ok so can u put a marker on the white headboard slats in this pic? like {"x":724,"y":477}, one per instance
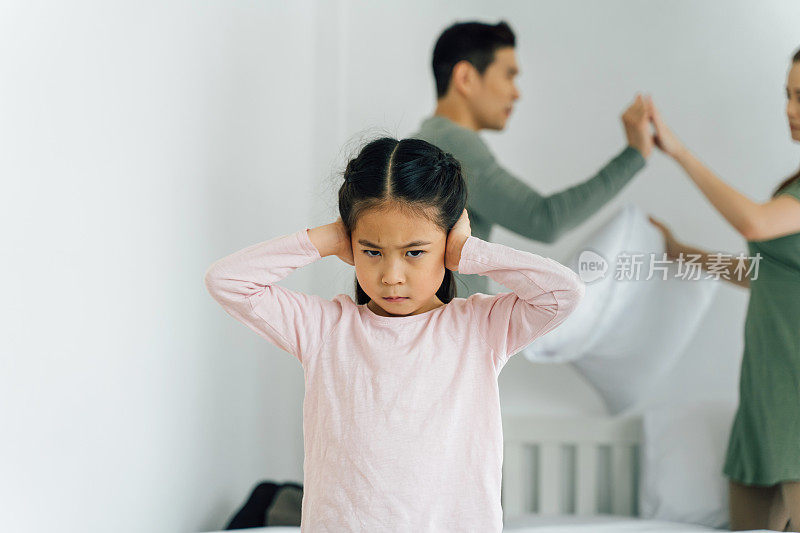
{"x":514,"y":493}
{"x":586,"y":489}
{"x":545,"y":486}
{"x":549,"y":478}
{"x":622,"y":480}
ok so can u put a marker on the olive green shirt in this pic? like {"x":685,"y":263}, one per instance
{"x":495,"y":196}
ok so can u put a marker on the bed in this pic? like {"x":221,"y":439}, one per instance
{"x":576,"y":474}
{"x":543,"y":524}
{"x":573,"y":475}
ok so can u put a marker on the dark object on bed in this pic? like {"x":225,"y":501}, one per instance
{"x":270,"y":504}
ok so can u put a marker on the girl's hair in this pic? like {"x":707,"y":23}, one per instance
{"x":410,"y":174}
{"x":796,"y":175}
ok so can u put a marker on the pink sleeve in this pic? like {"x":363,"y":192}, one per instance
{"x":244,"y":284}
{"x":544,"y":293}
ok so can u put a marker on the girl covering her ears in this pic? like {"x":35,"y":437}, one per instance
{"x":401,"y":415}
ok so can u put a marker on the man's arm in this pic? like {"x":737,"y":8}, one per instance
{"x":500,"y":197}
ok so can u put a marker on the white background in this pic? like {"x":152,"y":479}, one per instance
{"x":143,"y":141}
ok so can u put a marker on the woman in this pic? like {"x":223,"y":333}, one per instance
{"x":763,"y":457}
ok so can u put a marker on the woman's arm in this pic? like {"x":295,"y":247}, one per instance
{"x":754,"y":221}
{"x":732,"y":272}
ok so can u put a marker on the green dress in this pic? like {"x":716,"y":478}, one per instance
{"x":764,"y":444}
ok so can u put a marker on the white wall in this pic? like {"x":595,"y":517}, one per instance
{"x":144,"y":141}
{"x":141,"y":142}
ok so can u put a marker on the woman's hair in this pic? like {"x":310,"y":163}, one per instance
{"x":410,"y":174}
{"x":796,"y":175}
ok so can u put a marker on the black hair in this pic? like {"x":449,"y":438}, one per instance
{"x":410,"y":174}
{"x":796,"y":176}
{"x":475,"y":42}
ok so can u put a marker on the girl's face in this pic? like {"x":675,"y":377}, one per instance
{"x":398,"y":253}
{"x":793,"y":100}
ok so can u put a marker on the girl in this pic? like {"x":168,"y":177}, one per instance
{"x":763,"y":458}
{"x":401,"y":415}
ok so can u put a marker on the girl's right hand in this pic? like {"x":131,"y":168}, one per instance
{"x":673,"y":247}
{"x":344,"y":247}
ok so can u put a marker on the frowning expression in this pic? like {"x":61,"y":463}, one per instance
{"x":399,"y":253}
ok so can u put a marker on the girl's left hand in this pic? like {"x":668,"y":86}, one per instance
{"x":456,"y":238}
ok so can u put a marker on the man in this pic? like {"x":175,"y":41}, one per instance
{"x":474,"y":66}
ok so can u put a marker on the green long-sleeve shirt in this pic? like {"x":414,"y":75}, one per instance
{"x":498,"y":197}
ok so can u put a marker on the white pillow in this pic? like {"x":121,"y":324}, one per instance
{"x":682,"y":458}
{"x":568,"y":341}
{"x":626,"y":334}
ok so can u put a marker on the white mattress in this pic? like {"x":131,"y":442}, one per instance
{"x":566,"y":524}
{"x":537,"y":522}
{"x":596,"y":523}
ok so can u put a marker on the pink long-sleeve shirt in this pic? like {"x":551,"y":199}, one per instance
{"x":401,"y":416}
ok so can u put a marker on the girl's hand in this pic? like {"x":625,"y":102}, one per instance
{"x":666,"y":141}
{"x":332,"y":239}
{"x":344,"y":247}
{"x":673,"y":247}
{"x":456,"y":238}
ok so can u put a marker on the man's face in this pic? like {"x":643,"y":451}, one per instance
{"x":495,"y":93}
{"x":387,"y":266}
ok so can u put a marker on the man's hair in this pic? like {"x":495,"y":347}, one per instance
{"x":471,"y":41}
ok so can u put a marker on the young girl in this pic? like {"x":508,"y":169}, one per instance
{"x":401,"y":416}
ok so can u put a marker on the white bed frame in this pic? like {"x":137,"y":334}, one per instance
{"x":571,"y":465}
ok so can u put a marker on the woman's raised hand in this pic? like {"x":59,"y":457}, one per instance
{"x":456,"y":238}
{"x":665,"y":140}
